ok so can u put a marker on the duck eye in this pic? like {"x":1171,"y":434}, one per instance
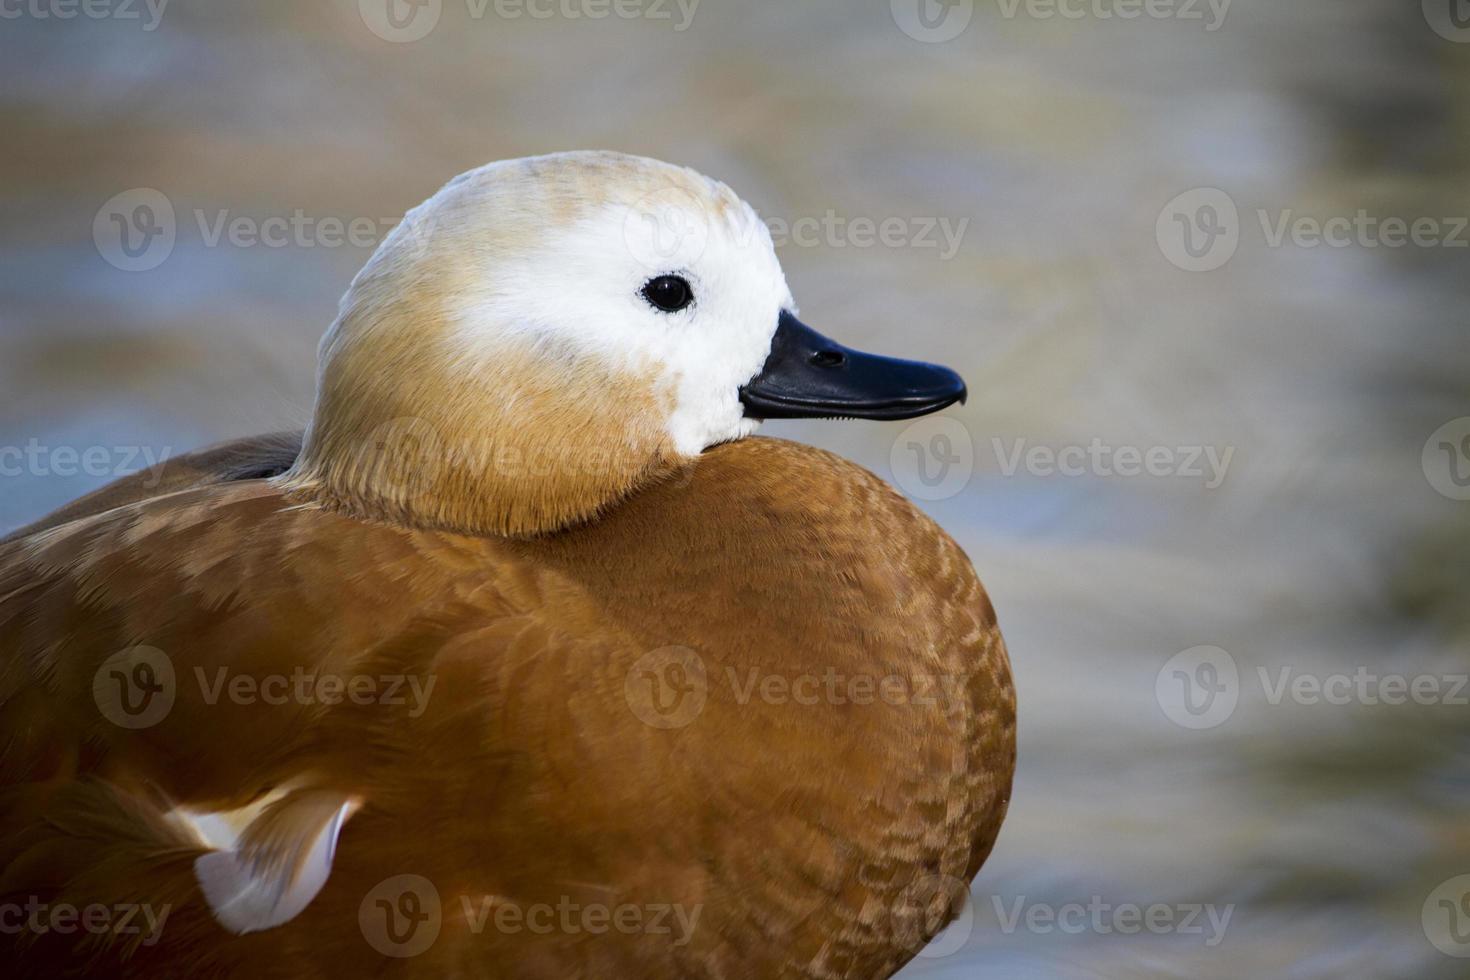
{"x":668,"y":293}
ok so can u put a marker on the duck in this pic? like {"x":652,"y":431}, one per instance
{"x":527,"y":657}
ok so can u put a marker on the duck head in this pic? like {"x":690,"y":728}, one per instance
{"x":543,"y":336}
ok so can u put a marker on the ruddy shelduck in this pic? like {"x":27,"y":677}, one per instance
{"x":524,"y":659}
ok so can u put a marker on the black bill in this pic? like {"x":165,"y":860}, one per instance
{"x":809,"y":376}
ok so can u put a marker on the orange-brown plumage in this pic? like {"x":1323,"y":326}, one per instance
{"x":529,"y":771}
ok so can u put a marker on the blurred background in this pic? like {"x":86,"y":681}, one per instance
{"x":1101,"y":212}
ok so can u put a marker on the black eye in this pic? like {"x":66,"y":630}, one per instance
{"x":669,"y":293}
